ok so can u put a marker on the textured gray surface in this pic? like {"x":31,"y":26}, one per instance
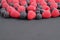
{"x":46,"y":29}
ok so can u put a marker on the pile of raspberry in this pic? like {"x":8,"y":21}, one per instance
{"x":30,"y":9}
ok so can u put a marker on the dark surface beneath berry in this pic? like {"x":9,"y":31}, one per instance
{"x":17,"y":29}
{"x":46,"y":29}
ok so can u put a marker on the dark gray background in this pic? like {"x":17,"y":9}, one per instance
{"x":44,"y":29}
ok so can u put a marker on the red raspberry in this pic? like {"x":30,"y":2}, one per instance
{"x":23,"y":3}
{"x":33,"y":4}
{"x":32,"y":1}
{"x":42,"y":2}
{"x":13,"y":13}
{"x":53,"y":5}
{"x":9,"y":1}
{"x":21,"y":8}
{"x":31,"y":8}
{"x":57,"y":0}
{"x":52,"y":1}
{"x":16,"y":1}
{"x":55,"y":13}
{"x":4,"y":4}
{"x":46,"y":7}
{"x":31,"y":15}
{"x":9,"y":9}
{"x":16,"y":5}
{"x":46,"y":14}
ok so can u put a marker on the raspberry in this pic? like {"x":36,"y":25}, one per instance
{"x":16,"y":1}
{"x":46,"y":7}
{"x":9,"y":1}
{"x":31,"y":15}
{"x":21,"y":8}
{"x":13,"y":13}
{"x":57,"y":1}
{"x":31,"y":8}
{"x":4,"y":4}
{"x":55,"y":13}
{"x":33,"y":4}
{"x":23,"y":3}
{"x":53,"y":5}
{"x":46,"y":14}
